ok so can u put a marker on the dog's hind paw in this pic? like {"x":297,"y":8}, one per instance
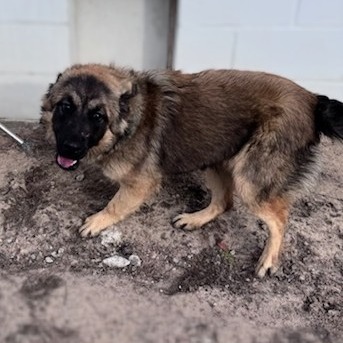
{"x":267,"y":262}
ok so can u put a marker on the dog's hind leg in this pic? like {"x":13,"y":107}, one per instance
{"x":219,"y":182}
{"x":274,"y":213}
{"x":273,"y":210}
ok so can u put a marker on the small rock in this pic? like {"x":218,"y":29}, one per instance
{"x":33,"y":256}
{"x":302,"y":278}
{"x":54,"y":254}
{"x":73,"y":263}
{"x":111,"y":237}
{"x":80,"y":177}
{"x":49,"y":259}
{"x":60,"y":251}
{"x":333,"y":312}
{"x":9,"y":240}
{"x":116,"y":261}
{"x":135,"y":260}
{"x":212,"y":241}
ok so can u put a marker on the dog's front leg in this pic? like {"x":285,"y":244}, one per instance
{"x":128,"y":199}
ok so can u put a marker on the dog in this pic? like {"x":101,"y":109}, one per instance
{"x":251,"y":132}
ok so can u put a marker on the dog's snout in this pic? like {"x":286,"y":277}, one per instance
{"x":73,"y":146}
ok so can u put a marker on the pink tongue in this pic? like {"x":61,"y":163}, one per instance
{"x":65,"y":162}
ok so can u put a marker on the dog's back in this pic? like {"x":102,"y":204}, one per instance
{"x":214,"y":114}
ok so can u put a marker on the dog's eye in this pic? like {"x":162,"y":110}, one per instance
{"x":65,"y":107}
{"x":97,"y":116}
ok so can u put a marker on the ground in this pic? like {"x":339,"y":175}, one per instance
{"x":196,"y":287}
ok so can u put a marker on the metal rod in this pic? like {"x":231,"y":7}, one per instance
{"x":10,"y":133}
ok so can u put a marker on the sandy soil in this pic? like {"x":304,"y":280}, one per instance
{"x":196,"y":287}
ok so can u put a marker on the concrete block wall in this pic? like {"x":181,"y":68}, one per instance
{"x":40,"y":38}
{"x":299,"y":39}
{"x":34,"y":46}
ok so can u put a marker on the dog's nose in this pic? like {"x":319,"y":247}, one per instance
{"x":74,"y":147}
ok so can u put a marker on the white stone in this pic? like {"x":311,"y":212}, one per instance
{"x":49,"y":259}
{"x":116,"y":261}
{"x":111,"y":237}
{"x":135,"y":260}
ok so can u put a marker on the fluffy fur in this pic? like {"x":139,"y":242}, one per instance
{"x":253,"y":133}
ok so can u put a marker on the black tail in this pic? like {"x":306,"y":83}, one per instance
{"x":329,"y":117}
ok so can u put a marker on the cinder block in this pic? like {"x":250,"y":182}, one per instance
{"x":199,"y":49}
{"x":320,"y":13}
{"x":20,"y":96}
{"x":33,"y":48}
{"x":118,"y":38}
{"x":234,"y":12}
{"x":307,"y":55}
{"x":52,"y":11}
{"x":333,"y":90}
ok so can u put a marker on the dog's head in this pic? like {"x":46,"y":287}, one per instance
{"x":87,"y":110}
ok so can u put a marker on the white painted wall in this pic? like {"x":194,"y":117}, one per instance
{"x":130,"y":33}
{"x":40,"y":38}
{"x":34,"y":45}
{"x":299,"y":39}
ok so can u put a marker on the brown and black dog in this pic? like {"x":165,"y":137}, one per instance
{"x":253,"y":133}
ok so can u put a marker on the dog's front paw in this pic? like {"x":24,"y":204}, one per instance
{"x":187,"y":221}
{"x":96,"y":223}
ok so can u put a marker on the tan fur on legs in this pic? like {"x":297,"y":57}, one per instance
{"x":128,"y":199}
{"x":220,"y":184}
{"x":274,"y":213}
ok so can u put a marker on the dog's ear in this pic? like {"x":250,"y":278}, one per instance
{"x":52,"y":85}
{"x":46,"y":112}
{"x":129,"y":92}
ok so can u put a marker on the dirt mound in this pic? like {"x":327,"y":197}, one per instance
{"x":186,"y":286}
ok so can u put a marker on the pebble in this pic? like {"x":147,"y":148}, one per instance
{"x":164,"y":235}
{"x":116,"y":261}
{"x":111,"y":237}
{"x":135,"y":260}
{"x":333,"y":312}
{"x":49,"y":259}
{"x":73,"y":263}
{"x":57,"y":253}
{"x":54,"y":254}
{"x":80,"y":177}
